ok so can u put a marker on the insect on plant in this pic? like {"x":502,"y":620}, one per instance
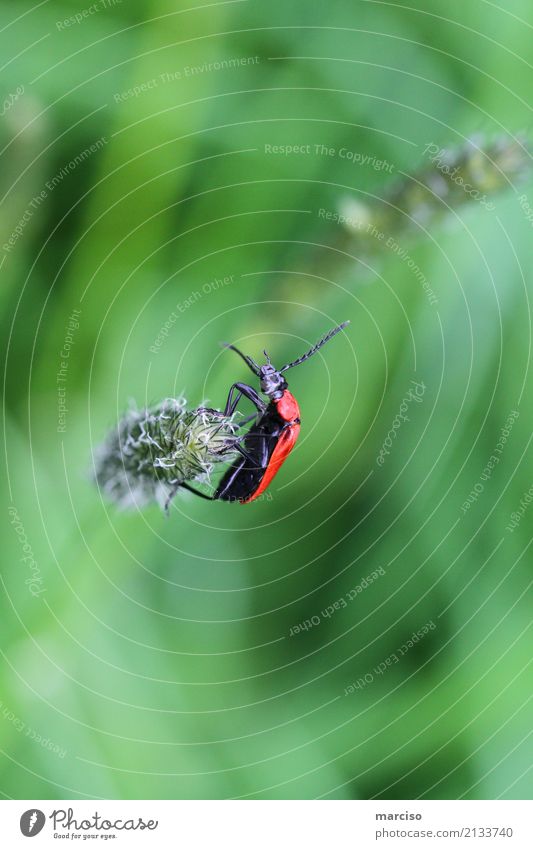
{"x":271,"y":438}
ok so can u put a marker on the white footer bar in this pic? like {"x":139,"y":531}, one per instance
{"x":268,"y":824}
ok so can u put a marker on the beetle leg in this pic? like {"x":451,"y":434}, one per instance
{"x":258,"y":462}
{"x":197,"y":491}
{"x":248,"y":392}
{"x":248,"y":457}
{"x":170,"y":496}
{"x":247,"y":420}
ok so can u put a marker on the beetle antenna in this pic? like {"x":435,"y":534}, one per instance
{"x":267,"y":357}
{"x":316,"y":347}
{"x":252,"y":365}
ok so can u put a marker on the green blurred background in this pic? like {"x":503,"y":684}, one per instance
{"x":155,"y":660}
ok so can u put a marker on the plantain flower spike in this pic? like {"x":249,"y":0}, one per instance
{"x":152,"y":451}
{"x":447,"y":178}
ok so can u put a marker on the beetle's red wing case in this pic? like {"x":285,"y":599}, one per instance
{"x":285,"y":444}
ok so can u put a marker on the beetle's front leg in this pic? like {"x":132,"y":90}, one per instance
{"x":243,"y":389}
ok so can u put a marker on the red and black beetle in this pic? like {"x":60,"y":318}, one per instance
{"x":269,"y":441}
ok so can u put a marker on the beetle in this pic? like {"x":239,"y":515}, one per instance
{"x":270,"y":440}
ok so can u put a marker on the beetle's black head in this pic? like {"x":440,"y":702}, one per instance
{"x":272,"y":381}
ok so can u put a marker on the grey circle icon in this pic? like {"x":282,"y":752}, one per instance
{"x":32,"y":822}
